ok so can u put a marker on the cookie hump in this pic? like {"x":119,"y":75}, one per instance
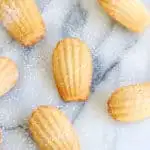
{"x":51,"y":130}
{"x":130,"y":103}
{"x":130,"y":13}
{"x":72,"y":69}
{"x":8,"y":75}
{"x":22,"y":20}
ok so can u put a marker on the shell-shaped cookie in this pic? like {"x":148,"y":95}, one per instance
{"x":8,"y":75}
{"x":51,"y":130}
{"x":22,"y":20}
{"x":72,"y":68}
{"x":130,"y":103}
{"x":130,"y":13}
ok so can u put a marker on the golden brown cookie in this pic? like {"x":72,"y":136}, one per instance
{"x":130,"y":103}
{"x":1,"y":136}
{"x":8,"y":75}
{"x":51,"y":130}
{"x":130,"y":13}
{"x":22,"y":20}
{"x":72,"y":69}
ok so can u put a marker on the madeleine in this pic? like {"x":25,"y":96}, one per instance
{"x":72,"y":69}
{"x":51,"y":130}
{"x":130,"y":13}
{"x":130,"y":103}
{"x":22,"y":20}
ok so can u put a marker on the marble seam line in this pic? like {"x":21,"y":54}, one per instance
{"x":14,"y":128}
{"x":114,"y":64}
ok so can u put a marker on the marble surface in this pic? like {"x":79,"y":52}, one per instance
{"x":120,"y":58}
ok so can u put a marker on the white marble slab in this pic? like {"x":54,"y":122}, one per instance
{"x":120,"y":58}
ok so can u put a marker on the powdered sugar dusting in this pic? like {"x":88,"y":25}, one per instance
{"x":119,"y":58}
{"x":10,"y":15}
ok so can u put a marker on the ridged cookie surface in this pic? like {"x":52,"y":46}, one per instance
{"x":130,"y":13}
{"x":72,"y":68}
{"x":130,"y":103}
{"x":51,"y":130}
{"x":8,"y":75}
{"x":22,"y":20}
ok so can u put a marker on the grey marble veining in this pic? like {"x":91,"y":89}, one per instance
{"x":120,"y":58}
{"x":42,"y":4}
